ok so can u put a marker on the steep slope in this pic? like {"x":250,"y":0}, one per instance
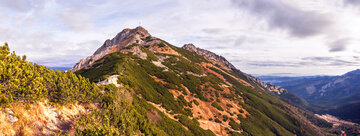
{"x":35,"y":100}
{"x":246,"y":78}
{"x":337,"y":95}
{"x":193,"y":87}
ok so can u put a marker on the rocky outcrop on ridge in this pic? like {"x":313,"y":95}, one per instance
{"x":123,"y":39}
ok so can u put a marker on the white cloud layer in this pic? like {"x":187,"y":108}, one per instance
{"x":305,"y":37}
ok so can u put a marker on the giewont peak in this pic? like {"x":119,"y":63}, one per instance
{"x":123,"y":39}
{"x":138,"y":30}
{"x":125,"y":36}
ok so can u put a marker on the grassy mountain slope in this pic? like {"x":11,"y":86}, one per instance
{"x":38,"y":101}
{"x":190,"y":87}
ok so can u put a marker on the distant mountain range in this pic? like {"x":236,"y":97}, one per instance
{"x":336,"y":95}
{"x":275,"y":79}
{"x":60,"y":68}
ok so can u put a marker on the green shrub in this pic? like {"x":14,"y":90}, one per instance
{"x":161,"y":44}
{"x":24,"y":81}
{"x":196,"y":102}
{"x":225,"y":118}
{"x":234,"y":125}
{"x":217,"y":106}
{"x":194,"y":127}
{"x":148,"y":39}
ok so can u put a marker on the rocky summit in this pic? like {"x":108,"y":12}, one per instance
{"x":123,"y":39}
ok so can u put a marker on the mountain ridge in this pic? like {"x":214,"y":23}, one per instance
{"x":217,"y":59}
{"x":192,"y":74}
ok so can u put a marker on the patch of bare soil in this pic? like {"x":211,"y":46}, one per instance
{"x":163,"y":50}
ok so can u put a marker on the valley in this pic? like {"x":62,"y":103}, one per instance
{"x":334,"y":95}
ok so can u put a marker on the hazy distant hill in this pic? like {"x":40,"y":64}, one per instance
{"x":338,"y":95}
{"x":281,"y":79}
{"x":60,"y":68}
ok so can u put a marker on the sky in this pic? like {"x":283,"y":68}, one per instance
{"x":263,"y":37}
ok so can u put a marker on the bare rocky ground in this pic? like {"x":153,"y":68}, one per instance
{"x":40,"y":118}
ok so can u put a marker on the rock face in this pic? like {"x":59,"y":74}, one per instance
{"x":268,"y":86}
{"x":123,"y":39}
{"x":110,"y":80}
{"x":209,"y":55}
{"x":10,"y":116}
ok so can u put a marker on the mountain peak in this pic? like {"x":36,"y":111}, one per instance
{"x":123,"y":39}
{"x":141,"y":30}
{"x":126,"y":36}
{"x":138,"y":30}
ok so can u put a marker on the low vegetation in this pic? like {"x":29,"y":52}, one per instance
{"x":150,"y":96}
{"x":24,"y":81}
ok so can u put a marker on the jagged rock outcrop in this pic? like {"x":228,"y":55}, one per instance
{"x":268,"y":86}
{"x":209,"y":55}
{"x":110,"y":80}
{"x":123,"y":39}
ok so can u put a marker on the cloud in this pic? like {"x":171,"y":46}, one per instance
{"x":7,"y":33}
{"x":352,"y":2}
{"x":329,"y":61}
{"x":339,"y":45}
{"x":76,"y":20}
{"x":47,"y":49}
{"x":58,"y":61}
{"x":212,"y":30}
{"x":21,"y":5}
{"x":321,"y":59}
{"x":272,"y":64}
{"x":280,"y":15}
{"x":240,"y":40}
{"x":306,"y":61}
{"x":217,"y":40}
{"x":18,"y":5}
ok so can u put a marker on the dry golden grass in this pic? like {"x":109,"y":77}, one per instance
{"x":6,"y":128}
{"x":40,"y":118}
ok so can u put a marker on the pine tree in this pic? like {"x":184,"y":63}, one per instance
{"x":24,"y":57}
